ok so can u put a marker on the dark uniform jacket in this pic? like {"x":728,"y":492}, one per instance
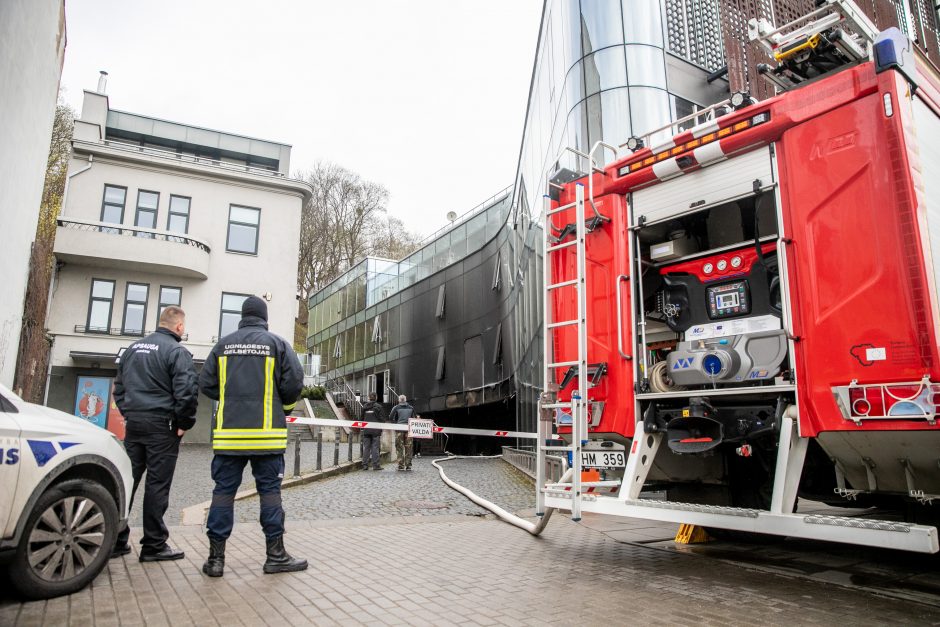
{"x":401,"y":413}
{"x":372,"y":412}
{"x":156,"y":382}
{"x":256,"y":377}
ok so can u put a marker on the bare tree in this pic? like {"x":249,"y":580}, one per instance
{"x":345,"y":221}
{"x":33,"y":355}
{"x":393,"y":241}
{"x":339,"y":224}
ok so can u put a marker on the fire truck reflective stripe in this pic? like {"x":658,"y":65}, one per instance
{"x":666,"y":145}
{"x":693,"y":440}
{"x":709,"y":153}
{"x":666,"y":169}
{"x":223,"y":362}
{"x":705,"y":128}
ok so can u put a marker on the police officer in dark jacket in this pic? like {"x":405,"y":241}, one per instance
{"x":371,"y":438}
{"x":256,"y":377}
{"x":156,"y":391}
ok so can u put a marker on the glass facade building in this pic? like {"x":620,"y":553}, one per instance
{"x":605,"y":70}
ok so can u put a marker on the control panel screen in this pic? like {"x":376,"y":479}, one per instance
{"x":728,"y":300}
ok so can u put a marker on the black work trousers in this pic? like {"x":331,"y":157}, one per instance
{"x":153,"y":446}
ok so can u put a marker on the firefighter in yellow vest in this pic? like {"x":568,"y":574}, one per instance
{"x":256,"y":377}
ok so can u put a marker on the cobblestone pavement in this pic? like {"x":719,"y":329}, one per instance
{"x":390,"y":492}
{"x":393,"y":548}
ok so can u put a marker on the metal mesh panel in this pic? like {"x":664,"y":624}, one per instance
{"x":694,"y":31}
{"x":925,"y":23}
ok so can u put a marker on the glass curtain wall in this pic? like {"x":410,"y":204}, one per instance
{"x":601,"y":74}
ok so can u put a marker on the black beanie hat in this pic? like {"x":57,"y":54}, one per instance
{"x":254,"y":306}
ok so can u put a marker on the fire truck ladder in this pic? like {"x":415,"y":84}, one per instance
{"x":587,"y":375}
{"x":577,"y":406}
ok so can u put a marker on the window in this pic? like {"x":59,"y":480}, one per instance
{"x":112,"y":206}
{"x":243,"y":230}
{"x":231,"y":313}
{"x":439,"y":310}
{"x":99,"y":306}
{"x":178,"y":219}
{"x":439,"y":372}
{"x":168,"y":296}
{"x":147,"y":203}
{"x":135,"y":308}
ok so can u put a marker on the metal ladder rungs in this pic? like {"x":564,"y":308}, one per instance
{"x":563,"y":323}
{"x":562,"y":245}
{"x":551,"y":212}
{"x":554,"y":405}
{"x":555,"y":286}
{"x":556,"y":448}
{"x":562,"y":364}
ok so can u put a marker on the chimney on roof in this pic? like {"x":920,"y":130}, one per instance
{"x":103,"y":82}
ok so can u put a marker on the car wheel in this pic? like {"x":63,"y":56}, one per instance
{"x":67,"y":540}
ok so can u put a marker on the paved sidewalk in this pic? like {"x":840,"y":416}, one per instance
{"x":477,"y":572}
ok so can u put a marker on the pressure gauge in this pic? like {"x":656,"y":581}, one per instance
{"x":735,"y":262}
{"x":722,"y":265}
{"x":708,"y":268}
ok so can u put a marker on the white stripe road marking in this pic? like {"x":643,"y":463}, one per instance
{"x":361,"y":424}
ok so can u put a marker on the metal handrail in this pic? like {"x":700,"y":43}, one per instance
{"x":191,"y":158}
{"x":111,"y":228}
{"x":464,"y":217}
{"x":707,"y":111}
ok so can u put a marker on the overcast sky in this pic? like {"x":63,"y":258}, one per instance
{"x":426,"y":97}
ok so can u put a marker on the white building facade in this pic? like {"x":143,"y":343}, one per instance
{"x":32,"y":49}
{"x":158,"y":213}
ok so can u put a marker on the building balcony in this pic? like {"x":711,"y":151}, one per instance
{"x":117,"y":246}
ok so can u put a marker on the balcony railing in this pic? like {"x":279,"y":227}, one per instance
{"x":115,"y":331}
{"x":191,"y":158}
{"x":132,"y":231}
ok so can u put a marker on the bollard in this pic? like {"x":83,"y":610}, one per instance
{"x":297,"y":456}
{"x":336,"y":447}
{"x":319,"y":449}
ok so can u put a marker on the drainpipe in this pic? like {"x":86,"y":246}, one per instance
{"x":55,"y":274}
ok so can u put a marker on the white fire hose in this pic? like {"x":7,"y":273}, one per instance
{"x":533,"y":528}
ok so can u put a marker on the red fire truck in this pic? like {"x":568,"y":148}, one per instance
{"x":745,"y":311}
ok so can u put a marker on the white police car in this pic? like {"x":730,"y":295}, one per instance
{"x":64,"y":485}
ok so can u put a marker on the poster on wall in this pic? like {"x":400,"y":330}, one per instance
{"x":92,"y":398}
{"x":115,"y":419}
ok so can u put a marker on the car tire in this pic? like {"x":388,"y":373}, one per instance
{"x":67,"y":540}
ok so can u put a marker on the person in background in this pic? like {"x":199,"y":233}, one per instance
{"x":257,"y":378}
{"x":400,"y":414}
{"x":371,"y":438}
{"x":156,"y":391}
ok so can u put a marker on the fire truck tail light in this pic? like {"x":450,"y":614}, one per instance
{"x":889,"y":108}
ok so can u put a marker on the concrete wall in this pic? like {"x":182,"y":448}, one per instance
{"x":32,"y":48}
{"x":161,"y":262}
{"x":273,"y":270}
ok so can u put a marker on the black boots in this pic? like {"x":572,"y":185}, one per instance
{"x":215,"y":565}
{"x":279,"y":560}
